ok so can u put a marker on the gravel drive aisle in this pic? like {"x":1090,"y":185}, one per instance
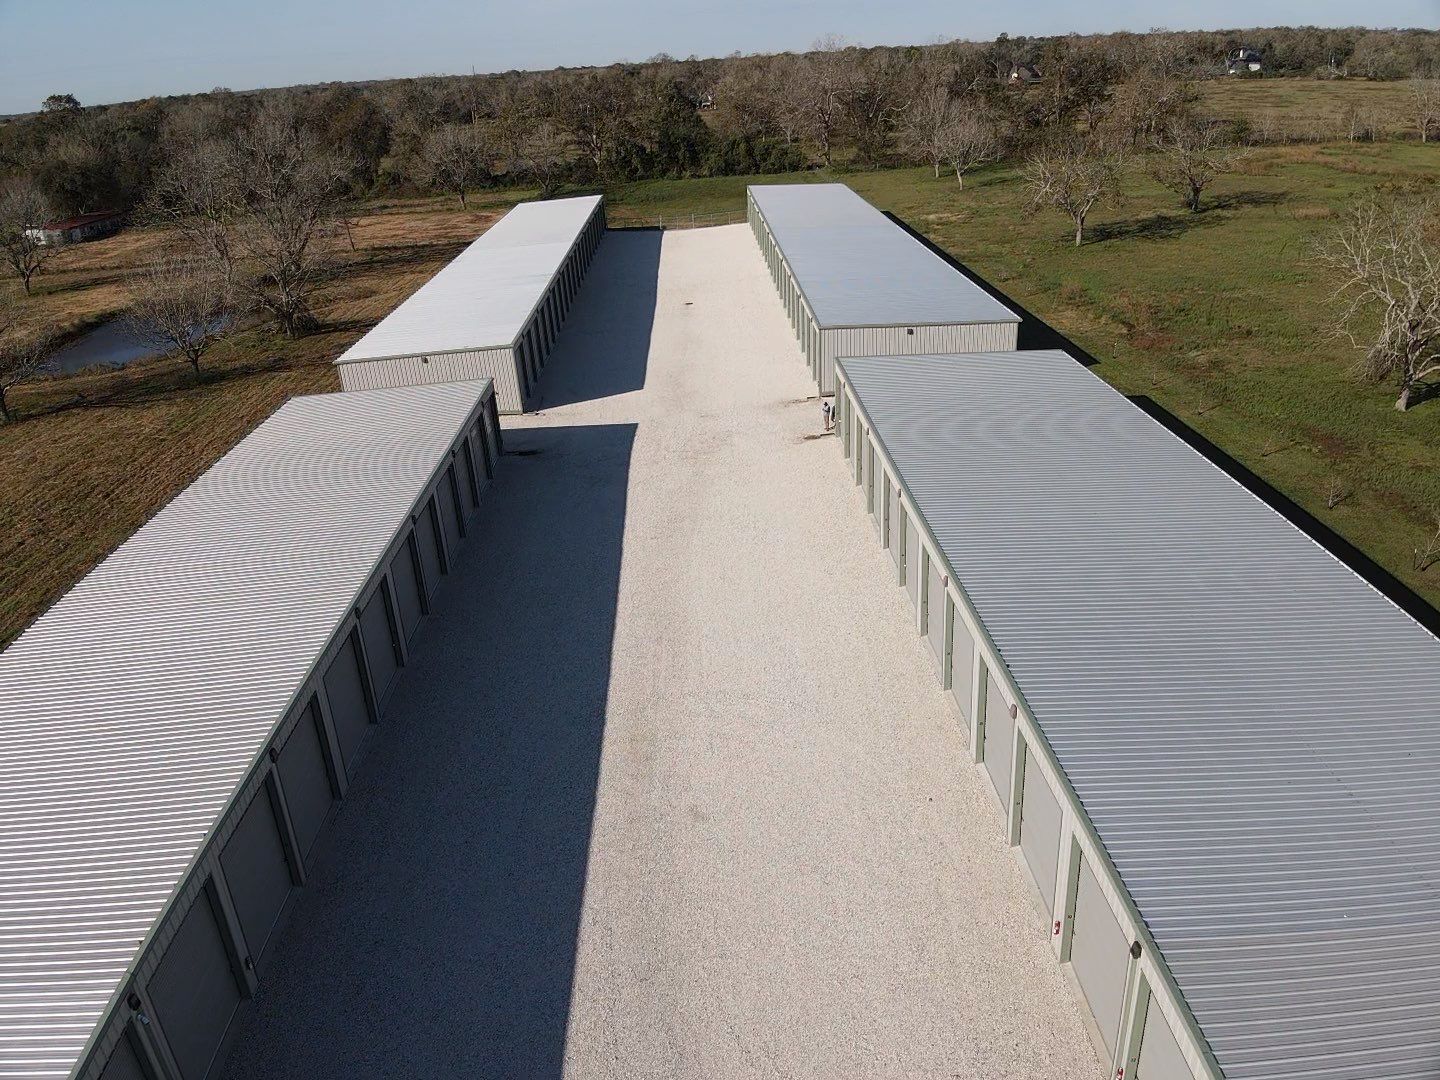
{"x":669,"y":789}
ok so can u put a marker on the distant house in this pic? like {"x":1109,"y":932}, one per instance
{"x":1024,"y":74}
{"x":707,"y":101}
{"x":76,"y":230}
{"x":1242,"y":61}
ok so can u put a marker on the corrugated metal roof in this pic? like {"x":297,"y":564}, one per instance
{"x":1253,"y":730}
{"x":136,"y":706}
{"x":856,"y":267}
{"x":484,"y":297}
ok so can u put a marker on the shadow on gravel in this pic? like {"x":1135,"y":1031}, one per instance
{"x":604,"y":347}
{"x":1035,"y":332}
{"x":437,"y":936}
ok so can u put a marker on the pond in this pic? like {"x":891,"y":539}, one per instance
{"x":112,"y":344}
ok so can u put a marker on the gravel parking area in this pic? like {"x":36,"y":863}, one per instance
{"x":670,"y":789}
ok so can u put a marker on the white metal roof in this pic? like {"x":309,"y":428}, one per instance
{"x":1253,"y":729}
{"x":484,"y":297}
{"x":856,"y":267}
{"x":137,"y":705}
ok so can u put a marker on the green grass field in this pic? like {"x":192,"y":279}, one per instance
{"x":1220,"y":316}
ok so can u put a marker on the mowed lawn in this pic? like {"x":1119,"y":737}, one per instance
{"x":1220,"y":316}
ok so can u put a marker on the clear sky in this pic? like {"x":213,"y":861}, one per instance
{"x":119,"y":50}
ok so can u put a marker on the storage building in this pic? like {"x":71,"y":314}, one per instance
{"x":1216,"y":748}
{"x":179,"y":726}
{"x":854,"y":283}
{"x":494,"y":312}
{"x":76,"y":230}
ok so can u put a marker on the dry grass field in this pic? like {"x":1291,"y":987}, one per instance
{"x":1307,"y":107}
{"x":96,"y":454}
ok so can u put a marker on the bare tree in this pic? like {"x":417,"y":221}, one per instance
{"x":785,"y":86}
{"x":262,"y":206}
{"x":543,"y":155}
{"x":198,"y":196}
{"x":22,"y":208}
{"x":455,"y":158}
{"x":595,"y":109}
{"x":969,"y":139}
{"x":875,"y":102}
{"x":182,"y":306}
{"x":923,"y":125}
{"x":1425,"y":557}
{"x":1359,"y":124}
{"x":291,"y":191}
{"x":1073,"y":176}
{"x":745,"y":101}
{"x":1143,"y":106}
{"x":1425,"y":103}
{"x":821,"y":86}
{"x":21,"y":358}
{"x":1386,"y":258}
{"x":1190,"y":155}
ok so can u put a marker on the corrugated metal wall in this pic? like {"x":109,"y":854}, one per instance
{"x":1086,"y":898}
{"x":497,"y":364}
{"x":515,"y":369}
{"x":910,"y":341}
{"x":445,"y":367}
{"x":820,"y":346}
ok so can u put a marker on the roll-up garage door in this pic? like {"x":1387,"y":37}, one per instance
{"x":912,"y":561}
{"x":1099,"y":956}
{"x":935,"y":613}
{"x":999,"y":739}
{"x":448,"y":505}
{"x":1160,"y":1055}
{"x":859,"y":454}
{"x":306,"y":780}
{"x":870,"y":476}
{"x":480,"y":457}
{"x":195,"y":990}
{"x":897,"y":530}
{"x":407,"y":586}
{"x":124,"y":1063}
{"x":492,"y":436}
{"x":962,"y":664}
{"x":429,"y":545}
{"x":1040,"y":830}
{"x":379,"y":642}
{"x":881,"y":503}
{"x":469,"y":479}
{"x":345,"y":690}
{"x":257,"y":872}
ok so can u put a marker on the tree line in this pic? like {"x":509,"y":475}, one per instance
{"x":665,"y":117}
{"x":254,"y":190}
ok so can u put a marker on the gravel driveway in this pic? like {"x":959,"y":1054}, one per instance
{"x":670,"y":789}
